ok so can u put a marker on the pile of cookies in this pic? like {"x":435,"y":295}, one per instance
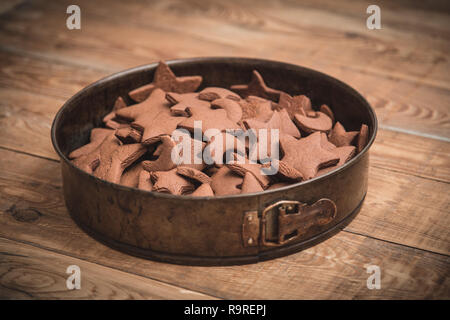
{"x":135,"y":146}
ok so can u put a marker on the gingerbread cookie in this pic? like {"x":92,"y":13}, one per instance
{"x":363,"y":138}
{"x":156,"y":143}
{"x":313,"y":121}
{"x":344,"y":153}
{"x":213,"y":121}
{"x":250,"y":184}
{"x":118,"y":104}
{"x":294,"y":105}
{"x":204,"y":190}
{"x":215,"y":93}
{"x":256,"y":108}
{"x":193,"y":174}
{"x":171,"y":182}
{"x":166,"y":80}
{"x":256,"y":87}
{"x":144,"y":181}
{"x":253,"y":168}
{"x":307,"y":154}
{"x":110,"y":159}
{"x":339,"y":137}
{"x":96,"y":138}
{"x":130,"y":176}
{"x":183,"y":104}
{"x":232,"y":107}
{"x":128,"y":135}
{"x":225,"y":182}
{"x":164,"y":162}
{"x":326,"y":109}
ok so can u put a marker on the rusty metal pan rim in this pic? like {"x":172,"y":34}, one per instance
{"x":146,"y":67}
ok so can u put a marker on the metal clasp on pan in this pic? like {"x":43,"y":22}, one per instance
{"x":286,"y":220}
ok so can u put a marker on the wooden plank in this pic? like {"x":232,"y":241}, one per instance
{"x":27,"y":272}
{"x":7,"y":5}
{"x":25,"y":121}
{"x":406,"y":209}
{"x":32,"y":211}
{"x":399,"y":74}
{"x":27,"y":111}
{"x":411,"y":154}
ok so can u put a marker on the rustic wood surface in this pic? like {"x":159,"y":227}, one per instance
{"x":402,"y":69}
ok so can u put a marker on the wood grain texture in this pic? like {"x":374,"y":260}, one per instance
{"x":411,"y":154}
{"x":7,"y":5}
{"x":406,"y":209}
{"x":27,"y":272}
{"x":26,"y":116}
{"x":32,"y":211}
{"x":401,"y":72}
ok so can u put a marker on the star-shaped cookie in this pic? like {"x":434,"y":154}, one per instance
{"x":150,"y":107}
{"x":166,"y":80}
{"x":170,"y":182}
{"x":363,"y":138}
{"x":280,"y":120}
{"x":339,"y":137}
{"x":96,"y":138}
{"x":204,"y":190}
{"x":344,"y":153}
{"x":110,"y":159}
{"x":130,"y":176}
{"x":294,"y":105}
{"x":128,"y":135}
{"x":118,"y":104}
{"x":256,"y":87}
{"x":250,"y":184}
{"x":152,"y":117}
{"x":232,"y":107}
{"x":225,"y":182}
{"x":253,"y":168}
{"x":164,"y":162}
{"x":307,"y":154}
{"x":183,"y":104}
{"x":145,"y":181}
{"x":193,"y":174}
{"x":216,"y":119}
{"x":221,"y":146}
{"x":256,"y":108}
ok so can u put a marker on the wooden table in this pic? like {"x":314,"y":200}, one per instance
{"x":403,"y":70}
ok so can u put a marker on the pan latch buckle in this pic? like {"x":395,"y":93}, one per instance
{"x":286,"y":220}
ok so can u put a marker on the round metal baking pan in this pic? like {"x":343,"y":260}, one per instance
{"x":221,"y":230}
